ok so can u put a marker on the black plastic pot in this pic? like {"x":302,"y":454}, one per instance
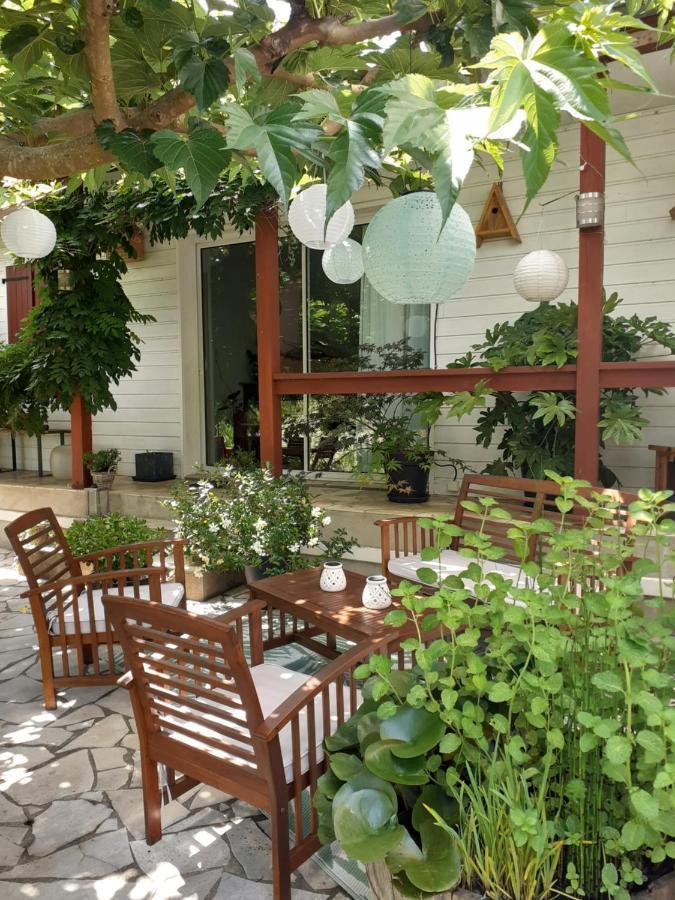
{"x":154,"y":466}
{"x":408,"y":482}
{"x":256,"y":573}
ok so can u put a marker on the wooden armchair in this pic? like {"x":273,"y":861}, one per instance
{"x":72,"y":628}
{"x":253,"y":731}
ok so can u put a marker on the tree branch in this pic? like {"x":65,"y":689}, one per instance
{"x":99,"y":63}
{"x":57,"y":160}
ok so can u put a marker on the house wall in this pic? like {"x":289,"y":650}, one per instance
{"x":149,"y":408}
{"x":639,"y":265}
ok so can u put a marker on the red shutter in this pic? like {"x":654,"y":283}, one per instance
{"x":20,"y":297}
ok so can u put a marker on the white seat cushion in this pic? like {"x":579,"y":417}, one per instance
{"x":172,"y":594}
{"x":273,"y":685}
{"x":451,"y":562}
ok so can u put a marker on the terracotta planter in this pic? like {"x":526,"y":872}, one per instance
{"x":380,"y":880}
{"x":206,"y":585}
{"x":103,"y":480}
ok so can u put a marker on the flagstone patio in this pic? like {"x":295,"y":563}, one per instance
{"x":71,"y":813}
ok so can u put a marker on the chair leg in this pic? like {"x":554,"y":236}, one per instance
{"x":47,"y":670}
{"x":281,"y":864}
{"x":152,"y":799}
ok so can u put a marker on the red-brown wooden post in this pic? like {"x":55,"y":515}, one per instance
{"x":269,"y":334}
{"x":589,"y":321}
{"x":80,"y":442}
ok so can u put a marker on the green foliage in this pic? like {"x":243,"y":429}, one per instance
{"x":235,"y":517}
{"x":535,"y":728}
{"x":102,"y":460}
{"x":535,"y":431}
{"x":114,"y":530}
{"x":422,"y":98}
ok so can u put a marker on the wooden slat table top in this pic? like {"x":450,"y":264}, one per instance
{"x":340,"y":613}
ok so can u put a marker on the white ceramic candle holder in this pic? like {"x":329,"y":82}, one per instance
{"x":376,"y":593}
{"x":333,"y":576}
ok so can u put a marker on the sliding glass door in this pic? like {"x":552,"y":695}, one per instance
{"x":324,"y":327}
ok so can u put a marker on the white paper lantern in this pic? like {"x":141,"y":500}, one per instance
{"x":541,"y":276}
{"x":343,"y":263}
{"x":28,"y":233}
{"x":406,"y":260}
{"x":307,"y":219}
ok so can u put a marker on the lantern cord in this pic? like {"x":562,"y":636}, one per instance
{"x":561,"y":197}
{"x":435,"y":336}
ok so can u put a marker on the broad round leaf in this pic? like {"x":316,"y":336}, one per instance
{"x":412,"y":731}
{"x":381,"y":762}
{"x":365,"y":818}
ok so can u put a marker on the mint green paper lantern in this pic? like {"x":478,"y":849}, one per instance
{"x":404,"y":258}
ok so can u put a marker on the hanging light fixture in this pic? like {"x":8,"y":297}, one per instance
{"x":408,"y":259}
{"x":343,"y":263}
{"x":28,"y":233}
{"x":541,"y":276}
{"x":307,"y":219}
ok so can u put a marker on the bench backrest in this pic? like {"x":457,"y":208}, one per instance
{"x":527,"y":499}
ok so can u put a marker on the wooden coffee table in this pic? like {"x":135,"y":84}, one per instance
{"x":307,"y":612}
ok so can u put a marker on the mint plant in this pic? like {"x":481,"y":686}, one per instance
{"x":534,"y":727}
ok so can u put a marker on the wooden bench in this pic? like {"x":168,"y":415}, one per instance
{"x":402,"y":538}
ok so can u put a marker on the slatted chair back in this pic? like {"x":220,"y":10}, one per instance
{"x":41,"y":547}
{"x":197,"y":702}
{"x":524,"y":498}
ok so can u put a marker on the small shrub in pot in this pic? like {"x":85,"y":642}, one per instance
{"x":103,"y":466}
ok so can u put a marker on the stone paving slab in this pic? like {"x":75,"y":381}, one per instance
{"x":71,"y":812}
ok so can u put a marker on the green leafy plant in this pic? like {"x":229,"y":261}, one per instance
{"x":534,"y":725}
{"x":535,"y":432}
{"x":102,"y":460}
{"x":114,"y":530}
{"x":377,"y":432}
{"x":234,"y":517}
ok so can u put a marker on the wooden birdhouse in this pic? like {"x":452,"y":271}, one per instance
{"x":496,"y":220}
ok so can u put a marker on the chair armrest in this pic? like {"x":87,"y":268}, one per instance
{"x":254,"y":610}
{"x":395,"y":520}
{"x":151,"y":547}
{"x":233,"y":615}
{"x":292,"y":706}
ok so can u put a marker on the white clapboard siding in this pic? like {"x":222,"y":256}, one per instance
{"x":148,"y":414}
{"x":639,"y":265}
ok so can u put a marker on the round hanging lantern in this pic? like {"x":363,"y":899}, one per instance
{"x":541,"y":276}
{"x":307,"y":219}
{"x":343,"y":263}
{"x":28,"y":234}
{"x":406,"y":260}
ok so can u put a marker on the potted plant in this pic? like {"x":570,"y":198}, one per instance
{"x":103,"y":466}
{"x":529,"y":753}
{"x":247,"y":520}
{"x":113,"y":530}
{"x":383,"y":434}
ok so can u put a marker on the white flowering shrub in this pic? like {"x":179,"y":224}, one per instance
{"x":234,"y":517}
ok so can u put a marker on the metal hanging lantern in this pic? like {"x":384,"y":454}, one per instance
{"x":28,"y":233}
{"x":343,"y":263}
{"x":541,"y":276}
{"x":307,"y":219}
{"x":408,"y":259}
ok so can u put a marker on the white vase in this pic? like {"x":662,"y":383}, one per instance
{"x":59,"y":462}
{"x":376,"y":593}
{"x":333,"y":577}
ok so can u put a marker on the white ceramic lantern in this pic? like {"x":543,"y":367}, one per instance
{"x":343,"y":263}
{"x":28,"y":233}
{"x":333,"y":576}
{"x":541,"y":276}
{"x":376,"y":593}
{"x":307,"y":219}
{"x":407,"y":259}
